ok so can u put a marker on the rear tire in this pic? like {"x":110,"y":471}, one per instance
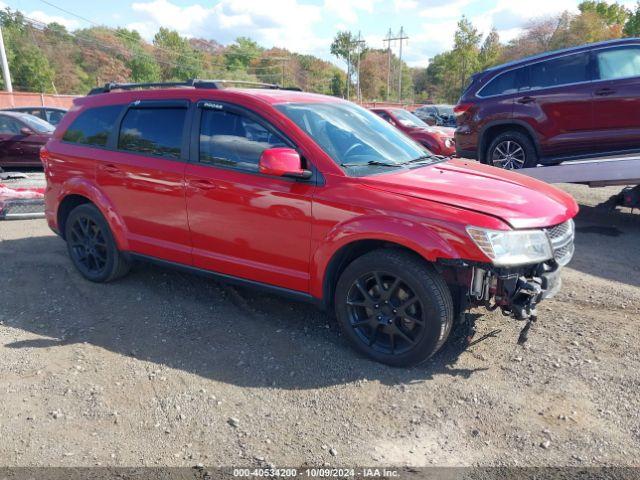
{"x":393,"y":307}
{"x":92,"y":247}
{"x":511,"y":150}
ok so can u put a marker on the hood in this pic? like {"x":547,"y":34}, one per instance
{"x":442,"y":132}
{"x":520,"y":201}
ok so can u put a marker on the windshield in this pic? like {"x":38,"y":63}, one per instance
{"x":37,"y":124}
{"x":408,"y":119}
{"x":355,"y":138}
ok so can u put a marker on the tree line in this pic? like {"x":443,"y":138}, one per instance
{"x":449,"y":72}
{"x":48,"y":58}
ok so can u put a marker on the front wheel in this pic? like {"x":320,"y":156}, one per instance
{"x":512,"y":151}
{"x":393,"y":307}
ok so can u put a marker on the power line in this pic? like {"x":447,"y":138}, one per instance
{"x":401,"y":37}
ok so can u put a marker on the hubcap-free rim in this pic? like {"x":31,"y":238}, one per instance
{"x":509,"y":155}
{"x":88,"y":245}
{"x":385,"y":313}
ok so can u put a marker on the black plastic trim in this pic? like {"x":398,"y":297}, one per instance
{"x":281,"y":291}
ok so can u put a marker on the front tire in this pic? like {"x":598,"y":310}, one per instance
{"x":393,"y":307}
{"x":511,"y":150}
{"x":92,"y":247}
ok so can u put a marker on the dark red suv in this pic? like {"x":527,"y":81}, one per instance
{"x":553,"y":107}
{"x":308,"y":196}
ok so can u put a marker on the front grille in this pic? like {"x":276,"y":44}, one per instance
{"x":561,"y":237}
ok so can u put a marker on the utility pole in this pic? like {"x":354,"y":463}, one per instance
{"x":402,"y":38}
{"x":359,"y":44}
{"x":6,"y":74}
{"x":388,"y":42}
{"x":348,"y":69}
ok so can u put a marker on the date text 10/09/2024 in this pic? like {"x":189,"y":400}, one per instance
{"x":316,"y":472}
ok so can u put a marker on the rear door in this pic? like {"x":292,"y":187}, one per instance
{"x":244,"y":223}
{"x":557,"y":103}
{"x":616,"y":98}
{"x":144,"y":178}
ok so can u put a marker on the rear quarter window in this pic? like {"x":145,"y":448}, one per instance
{"x":503,"y":84}
{"x":93,"y":126}
{"x":560,"y":71}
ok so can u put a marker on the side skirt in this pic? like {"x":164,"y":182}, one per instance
{"x":222,"y":277}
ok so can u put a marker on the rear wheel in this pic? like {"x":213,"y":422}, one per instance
{"x":394,"y":307}
{"x":512,"y":150}
{"x":91,"y":245}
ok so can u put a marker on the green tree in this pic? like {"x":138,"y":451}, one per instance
{"x":466,"y":54}
{"x":632,"y":27}
{"x":491,"y":50}
{"x":177,"y":58}
{"x":240,"y":54}
{"x":611,"y":13}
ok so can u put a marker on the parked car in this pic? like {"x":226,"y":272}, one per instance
{"x":438,"y":115}
{"x":21,"y":136}
{"x":53,"y":115}
{"x":304,"y":195}
{"x":554,"y":107}
{"x":438,"y":140}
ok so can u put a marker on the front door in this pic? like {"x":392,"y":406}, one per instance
{"x":616,"y":98}
{"x":144,"y":179}
{"x":243,"y":223}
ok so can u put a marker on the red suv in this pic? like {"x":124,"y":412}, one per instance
{"x":554,"y":107}
{"x":305,"y":195}
{"x":438,"y":140}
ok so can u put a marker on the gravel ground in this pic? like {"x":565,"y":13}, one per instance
{"x":164,"y":368}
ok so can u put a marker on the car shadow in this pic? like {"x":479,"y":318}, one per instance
{"x":234,"y":335}
{"x":608,"y":244}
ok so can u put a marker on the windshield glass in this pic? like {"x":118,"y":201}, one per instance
{"x":408,"y":119}
{"x":37,"y":124}
{"x":355,"y":138}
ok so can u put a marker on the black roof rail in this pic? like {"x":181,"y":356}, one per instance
{"x":196,"y":83}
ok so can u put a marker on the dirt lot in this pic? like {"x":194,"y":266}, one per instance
{"x":163,"y":368}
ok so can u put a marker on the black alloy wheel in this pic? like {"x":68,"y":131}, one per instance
{"x":393,"y":306}
{"x":385,"y":312}
{"x":91,"y":245}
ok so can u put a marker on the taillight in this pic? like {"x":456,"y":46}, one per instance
{"x":44,"y":156}
{"x":462,"y":108}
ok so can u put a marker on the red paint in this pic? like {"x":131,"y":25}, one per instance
{"x":438,"y":140}
{"x":280,"y":162}
{"x":278,"y":230}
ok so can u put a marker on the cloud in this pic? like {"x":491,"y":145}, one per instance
{"x":347,"y":11}
{"x":280,"y":23}
{"x":40,"y":16}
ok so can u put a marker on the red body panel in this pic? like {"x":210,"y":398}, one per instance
{"x":278,"y":230}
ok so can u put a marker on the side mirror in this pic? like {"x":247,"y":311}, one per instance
{"x":26,"y":131}
{"x":283,"y":162}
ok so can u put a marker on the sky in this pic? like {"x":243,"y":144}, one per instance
{"x":303,"y":26}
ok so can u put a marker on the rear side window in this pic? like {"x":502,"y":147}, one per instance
{"x":618,"y":63}
{"x":153,"y":131}
{"x":8,"y":126}
{"x":560,"y":71}
{"x":93,"y":126}
{"x":503,"y":84}
{"x":231,"y":139}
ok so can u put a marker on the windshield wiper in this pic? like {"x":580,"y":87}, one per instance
{"x":423,"y":158}
{"x":373,"y":163}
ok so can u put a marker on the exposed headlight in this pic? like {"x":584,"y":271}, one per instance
{"x":512,"y":247}
{"x":448,"y":142}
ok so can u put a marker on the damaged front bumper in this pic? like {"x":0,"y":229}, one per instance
{"x":516,"y":292}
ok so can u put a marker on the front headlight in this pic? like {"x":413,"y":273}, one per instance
{"x":448,"y":143}
{"x":512,"y":247}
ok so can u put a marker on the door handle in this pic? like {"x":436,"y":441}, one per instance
{"x":525,"y":100}
{"x":202,"y":184}
{"x":109,"y":168}
{"x":603,"y":92}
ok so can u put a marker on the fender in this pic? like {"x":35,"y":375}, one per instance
{"x":482,"y":144}
{"x":85,"y":188}
{"x":425,"y":241}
